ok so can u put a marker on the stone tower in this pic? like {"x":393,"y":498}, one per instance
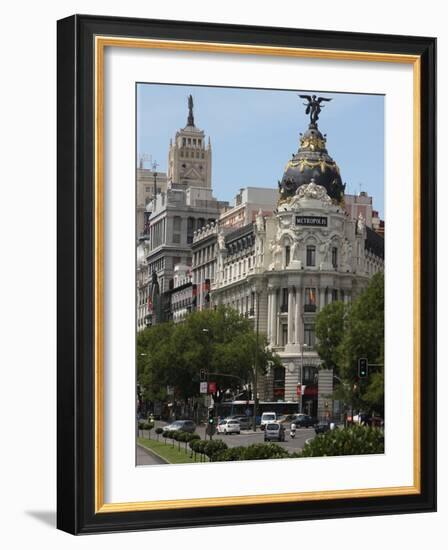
{"x":189,"y":158}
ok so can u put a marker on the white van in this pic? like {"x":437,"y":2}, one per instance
{"x":266,"y":418}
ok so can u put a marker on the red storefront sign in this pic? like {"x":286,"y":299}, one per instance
{"x":212,"y":387}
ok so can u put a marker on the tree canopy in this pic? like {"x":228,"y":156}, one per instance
{"x":347,"y":333}
{"x":219,"y":341}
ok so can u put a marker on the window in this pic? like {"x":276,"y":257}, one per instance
{"x":311,"y":255}
{"x":310,"y":300}
{"x":309,"y":336}
{"x":287,"y":255}
{"x":284,"y":304}
{"x":334,"y":257}
{"x":334,"y":294}
{"x":310,"y":296}
{"x":184,"y":142}
{"x":309,"y":375}
{"x":176,"y":238}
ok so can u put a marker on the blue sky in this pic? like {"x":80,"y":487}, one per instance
{"x":254,"y":132}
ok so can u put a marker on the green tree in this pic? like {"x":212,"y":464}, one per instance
{"x":220,"y":341}
{"x":330,"y":330}
{"x":346,"y":333}
{"x":364,"y":337}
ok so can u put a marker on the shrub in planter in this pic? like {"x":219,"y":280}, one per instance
{"x":198,"y":446}
{"x":158,"y":432}
{"x":150,"y":424}
{"x":234,"y":453}
{"x":213,"y":448}
{"x":261,"y":451}
{"x":141,"y":425}
{"x":180,"y":438}
{"x":194,"y":445}
{"x":191,"y":438}
{"x":356,"y":440}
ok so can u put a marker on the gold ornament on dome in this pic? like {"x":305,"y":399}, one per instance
{"x":312,"y":142}
{"x":304,"y":163}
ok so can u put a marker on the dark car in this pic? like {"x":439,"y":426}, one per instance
{"x":322,"y":427}
{"x":245,"y":421}
{"x":304,"y":421}
{"x":181,"y":426}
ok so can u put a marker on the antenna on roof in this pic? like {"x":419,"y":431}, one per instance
{"x":144,"y":157}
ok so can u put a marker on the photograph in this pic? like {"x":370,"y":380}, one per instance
{"x":237,"y":340}
{"x":260,"y":227}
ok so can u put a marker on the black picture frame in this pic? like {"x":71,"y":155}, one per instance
{"x":76,"y":273}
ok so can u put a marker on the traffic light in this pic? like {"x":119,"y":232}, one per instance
{"x":211,"y":418}
{"x":202,"y":375}
{"x":363,"y":368}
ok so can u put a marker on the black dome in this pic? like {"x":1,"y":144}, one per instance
{"x":312,"y":161}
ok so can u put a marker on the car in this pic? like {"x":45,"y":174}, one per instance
{"x":245,"y":421}
{"x":274,"y":431}
{"x":229,"y":426}
{"x":267,"y":417}
{"x":304,"y":421}
{"x":181,"y":426}
{"x":322,"y":427}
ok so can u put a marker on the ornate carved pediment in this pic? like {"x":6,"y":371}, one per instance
{"x":313,"y":191}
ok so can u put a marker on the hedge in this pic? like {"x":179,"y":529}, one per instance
{"x":356,"y":440}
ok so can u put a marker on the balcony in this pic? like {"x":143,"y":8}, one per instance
{"x":309,"y":308}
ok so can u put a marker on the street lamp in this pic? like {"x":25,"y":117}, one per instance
{"x":304,"y":346}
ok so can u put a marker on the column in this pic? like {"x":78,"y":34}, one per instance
{"x":298,"y":336}
{"x":290,"y":316}
{"x":274,"y":317}
{"x":269,"y":331}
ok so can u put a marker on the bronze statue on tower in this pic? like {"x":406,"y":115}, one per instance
{"x":314,"y":107}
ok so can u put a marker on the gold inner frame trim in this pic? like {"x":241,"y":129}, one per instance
{"x":101,"y":42}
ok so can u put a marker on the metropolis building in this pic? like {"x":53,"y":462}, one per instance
{"x":283,"y":269}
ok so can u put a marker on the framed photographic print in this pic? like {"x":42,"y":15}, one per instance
{"x":246,"y":266}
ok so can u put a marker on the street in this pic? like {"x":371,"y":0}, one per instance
{"x":248,"y":438}
{"x":146,"y":458}
{"x":245,"y":438}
